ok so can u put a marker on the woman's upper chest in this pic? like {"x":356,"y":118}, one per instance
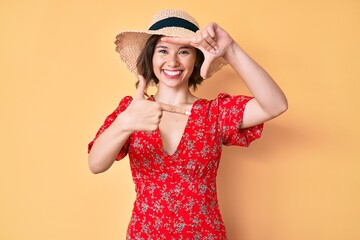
{"x":172,"y":127}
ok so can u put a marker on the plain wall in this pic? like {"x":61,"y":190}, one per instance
{"x":60,"y":77}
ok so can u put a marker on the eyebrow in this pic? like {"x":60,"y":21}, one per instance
{"x":182,"y":47}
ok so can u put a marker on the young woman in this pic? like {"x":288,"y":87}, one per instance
{"x":173,"y":138}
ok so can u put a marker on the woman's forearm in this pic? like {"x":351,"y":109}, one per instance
{"x":264,"y":89}
{"x":107,"y":146}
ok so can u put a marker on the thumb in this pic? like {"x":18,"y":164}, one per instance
{"x":140,"y":88}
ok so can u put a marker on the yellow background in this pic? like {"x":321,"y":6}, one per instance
{"x":60,"y":77}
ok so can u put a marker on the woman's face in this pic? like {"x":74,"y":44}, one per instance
{"x":173,"y":63}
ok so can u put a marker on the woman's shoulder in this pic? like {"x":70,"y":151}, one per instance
{"x":125,"y":101}
{"x":224,"y":98}
{"x":123,"y":104}
{"x":206,"y":104}
{"x":222,"y":102}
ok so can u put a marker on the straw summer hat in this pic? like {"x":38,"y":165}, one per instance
{"x":168,"y":22}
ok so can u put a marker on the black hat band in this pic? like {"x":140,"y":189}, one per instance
{"x":174,"y":22}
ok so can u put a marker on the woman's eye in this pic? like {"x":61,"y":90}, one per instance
{"x":162,"y":51}
{"x":184,"y":52}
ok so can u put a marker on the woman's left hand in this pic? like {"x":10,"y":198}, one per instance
{"x":212,"y":40}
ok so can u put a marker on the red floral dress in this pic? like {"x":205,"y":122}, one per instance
{"x":176,"y":194}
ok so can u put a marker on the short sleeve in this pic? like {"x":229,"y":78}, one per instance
{"x":231,"y":112}
{"x":124,"y":103}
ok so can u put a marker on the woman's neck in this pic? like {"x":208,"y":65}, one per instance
{"x":174,"y":96}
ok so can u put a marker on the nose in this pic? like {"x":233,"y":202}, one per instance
{"x":173,"y":60}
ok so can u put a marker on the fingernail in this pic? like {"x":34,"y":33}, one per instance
{"x":187,"y":113}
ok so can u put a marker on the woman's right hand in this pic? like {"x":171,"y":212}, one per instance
{"x":145,"y":115}
{"x":141,"y":115}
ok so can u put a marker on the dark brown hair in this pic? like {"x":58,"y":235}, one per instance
{"x":145,"y":67}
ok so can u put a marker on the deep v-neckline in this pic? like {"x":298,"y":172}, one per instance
{"x":180,"y":143}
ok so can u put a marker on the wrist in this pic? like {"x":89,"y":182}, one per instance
{"x":123,"y":123}
{"x":231,"y":51}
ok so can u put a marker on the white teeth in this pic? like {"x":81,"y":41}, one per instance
{"x":172,"y":73}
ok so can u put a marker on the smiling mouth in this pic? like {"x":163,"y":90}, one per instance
{"x":172,"y":73}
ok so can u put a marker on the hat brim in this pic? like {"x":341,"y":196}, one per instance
{"x":129,"y":45}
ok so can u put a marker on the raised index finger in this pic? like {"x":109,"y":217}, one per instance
{"x":176,"y":40}
{"x":174,"y":109}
